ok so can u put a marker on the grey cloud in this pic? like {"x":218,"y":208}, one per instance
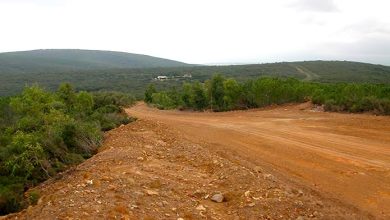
{"x":369,"y":27}
{"x":369,"y":49}
{"x":378,"y":46}
{"x":35,"y":2}
{"x":314,"y":5}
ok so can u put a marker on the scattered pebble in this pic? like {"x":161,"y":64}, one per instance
{"x":152,"y":192}
{"x":200,"y":208}
{"x":251,"y":204}
{"x":218,"y":198}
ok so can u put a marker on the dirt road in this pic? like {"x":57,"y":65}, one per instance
{"x":310,"y":76}
{"x":275,"y":163}
{"x":345,"y":157}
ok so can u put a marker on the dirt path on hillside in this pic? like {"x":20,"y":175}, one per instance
{"x":310,"y":76}
{"x":277,"y":163}
{"x":340,"y":156}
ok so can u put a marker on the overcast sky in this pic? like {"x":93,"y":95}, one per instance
{"x":204,"y":31}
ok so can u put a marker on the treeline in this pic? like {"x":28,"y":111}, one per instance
{"x":221,"y":94}
{"x":134,"y":81}
{"x":43,"y":133}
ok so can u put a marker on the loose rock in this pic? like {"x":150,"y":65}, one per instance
{"x":140,"y":158}
{"x":152,"y":192}
{"x":258,"y":169}
{"x":218,"y":198}
{"x":251,"y":204}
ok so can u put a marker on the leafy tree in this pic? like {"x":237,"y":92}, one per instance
{"x":150,"y":90}
{"x":34,"y":101}
{"x":163,"y":101}
{"x":216,"y":92}
{"x":198,"y":98}
{"x":232,"y":92}
{"x":67,"y":95}
{"x":186,"y":95}
{"x":174,"y":96}
{"x":249,"y":96}
{"x":24,"y":156}
{"x":83,"y":103}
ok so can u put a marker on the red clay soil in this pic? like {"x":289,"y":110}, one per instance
{"x":277,"y":163}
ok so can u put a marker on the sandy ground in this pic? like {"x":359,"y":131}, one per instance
{"x":276,"y":163}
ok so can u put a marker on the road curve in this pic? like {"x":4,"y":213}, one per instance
{"x":341,"y":156}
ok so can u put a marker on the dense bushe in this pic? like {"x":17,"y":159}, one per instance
{"x":43,"y":133}
{"x":221,"y":94}
{"x":134,"y":81}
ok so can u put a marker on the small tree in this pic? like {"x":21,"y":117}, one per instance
{"x":26,"y":155}
{"x":150,"y":90}
{"x":198,"y":97}
{"x":163,"y":101}
{"x":232,"y":93}
{"x":67,"y":95}
{"x":186,"y":95}
{"x":83,"y":103}
{"x":216,"y":92}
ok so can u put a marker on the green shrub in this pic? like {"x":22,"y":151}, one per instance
{"x":331,"y":105}
{"x":11,"y":195}
{"x":73,"y":159}
{"x":163,"y":101}
{"x":83,"y":103}
{"x":198,"y":99}
{"x":24,"y":155}
{"x":42,"y":133}
{"x":112,"y":98}
{"x":109,"y":109}
{"x":216,"y":92}
{"x":33,"y":197}
{"x":150,"y":90}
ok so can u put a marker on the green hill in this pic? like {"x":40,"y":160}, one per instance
{"x":101,"y":70}
{"x":77,"y":60}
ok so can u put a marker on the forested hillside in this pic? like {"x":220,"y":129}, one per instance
{"x":58,"y":60}
{"x":135,"y":80}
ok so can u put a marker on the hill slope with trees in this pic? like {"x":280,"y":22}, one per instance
{"x":66,"y":60}
{"x":134,"y":80}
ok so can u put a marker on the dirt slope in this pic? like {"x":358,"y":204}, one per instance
{"x":269,"y":164}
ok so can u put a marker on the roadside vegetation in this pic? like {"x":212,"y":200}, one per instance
{"x":222,"y":94}
{"x":43,"y":133}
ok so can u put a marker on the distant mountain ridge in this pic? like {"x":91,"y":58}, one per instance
{"x":93,"y":70}
{"x":64,"y":60}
